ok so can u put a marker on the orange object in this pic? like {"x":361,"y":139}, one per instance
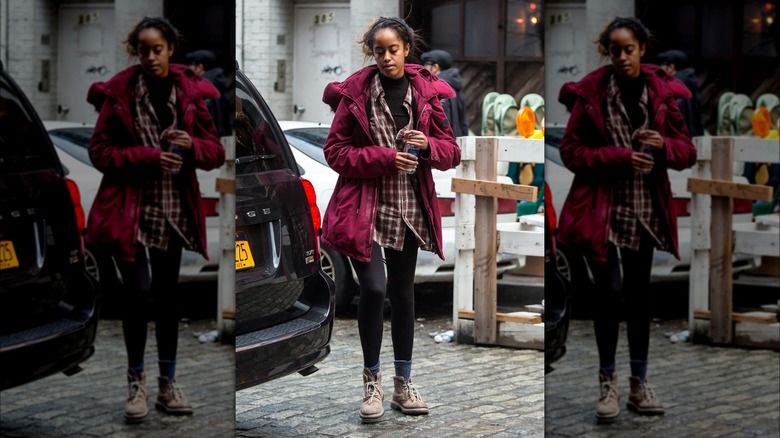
{"x":526,"y":121}
{"x":762,"y":121}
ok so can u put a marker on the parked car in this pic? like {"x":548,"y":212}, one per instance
{"x":71,"y":141}
{"x":557,"y":291}
{"x":665,"y":266}
{"x":48,"y":302}
{"x":307,"y":140}
{"x":284,"y":300}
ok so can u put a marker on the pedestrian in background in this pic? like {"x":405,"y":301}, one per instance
{"x":204,"y":63}
{"x":675,"y":62}
{"x":439,"y":62}
{"x":152,"y":132}
{"x":378,"y":203}
{"x":624,"y":132}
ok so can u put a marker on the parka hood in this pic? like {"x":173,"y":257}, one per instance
{"x":357,"y":83}
{"x":591,"y":86}
{"x":116,"y":88}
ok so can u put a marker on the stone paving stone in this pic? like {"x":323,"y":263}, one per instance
{"x":91,"y":402}
{"x":471,"y":391}
{"x":707,"y":391}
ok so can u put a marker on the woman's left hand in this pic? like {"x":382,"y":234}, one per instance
{"x":180,"y":138}
{"x":651,"y":139}
{"x":416,"y":139}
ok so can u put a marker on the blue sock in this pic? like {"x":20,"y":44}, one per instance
{"x":403,"y":368}
{"x":639,"y":369}
{"x":167,"y":368}
{"x":374,"y":369}
{"x":610,"y":369}
{"x":138,"y":368}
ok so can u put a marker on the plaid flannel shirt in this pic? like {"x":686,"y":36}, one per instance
{"x":161,"y":209}
{"x":633,"y":206}
{"x":398,"y":206}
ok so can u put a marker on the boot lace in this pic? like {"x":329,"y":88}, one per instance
{"x":412,"y":393}
{"x":176,"y":392}
{"x":607,"y":391}
{"x":647,"y":392}
{"x":136,"y":391}
{"x":372,"y":391}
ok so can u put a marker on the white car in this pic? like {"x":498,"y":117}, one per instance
{"x":665,"y":266}
{"x":71,"y":141}
{"x":307,"y":140}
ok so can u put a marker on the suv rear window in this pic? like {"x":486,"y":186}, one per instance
{"x":24,"y":146}
{"x":260,"y":146}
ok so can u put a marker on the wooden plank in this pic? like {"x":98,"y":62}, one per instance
{"x":513,"y":335}
{"x":485,"y":248}
{"x":536,"y":219}
{"x":745,"y":149}
{"x":517,"y":317}
{"x":749,"y":239}
{"x":512,"y":240}
{"x":463,"y":277}
{"x":494,"y":189}
{"x":721,"y":256}
{"x":751,"y":317}
{"x":225,"y":185}
{"x":699,"y":277}
{"x":511,"y":149}
{"x":730,"y":189}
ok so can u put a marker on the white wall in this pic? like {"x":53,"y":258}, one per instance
{"x":261,"y":23}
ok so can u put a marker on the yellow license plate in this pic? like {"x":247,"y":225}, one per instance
{"x":244,"y":258}
{"x":8,"y":257}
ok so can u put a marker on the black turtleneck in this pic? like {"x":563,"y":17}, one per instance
{"x":630,"y":93}
{"x":159,"y":92}
{"x":395,"y":92}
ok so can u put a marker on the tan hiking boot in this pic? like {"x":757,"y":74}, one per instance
{"x":641,"y":398}
{"x":170,"y":398}
{"x":372,"y":408}
{"x":607,"y":409}
{"x":407,"y":399}
{"x":136,"y":408}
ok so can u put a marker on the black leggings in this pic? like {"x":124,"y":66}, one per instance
{"x":399,"y":283}
{"x":150,"y":284}
{"x":623,"y":295}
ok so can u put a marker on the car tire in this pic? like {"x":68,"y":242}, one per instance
{"x":101,"y":268}
{"x":337,"y":267}
{"x":574,"y":268}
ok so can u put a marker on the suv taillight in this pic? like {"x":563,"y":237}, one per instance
{"x":78,"y":210}
{"x":506,"y":206}
{"x":311,"y":195}
{"x":210,"y":206}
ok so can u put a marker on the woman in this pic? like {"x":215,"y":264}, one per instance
{"x":152,"y":132}
{"x":377,"y":204}
{"x":624,"y":132}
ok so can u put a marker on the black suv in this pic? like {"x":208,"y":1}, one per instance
{"x":284,"y":301}
{"x":48,"y":303}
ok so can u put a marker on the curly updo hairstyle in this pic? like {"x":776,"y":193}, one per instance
{"x":401,"y":28}
{"x":168,"y":31}
{"x":640,"y":31}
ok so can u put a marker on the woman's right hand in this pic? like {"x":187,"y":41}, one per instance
{"x":641,"y":162}
{"x":170,"y":162}
{"x":405,"y":162}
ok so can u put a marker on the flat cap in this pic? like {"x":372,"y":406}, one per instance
{"x":441,"y":57}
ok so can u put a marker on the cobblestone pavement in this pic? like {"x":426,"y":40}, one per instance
{"x":707,"y":391}
{"x":91,"y":402}
{"x":471,"y":391}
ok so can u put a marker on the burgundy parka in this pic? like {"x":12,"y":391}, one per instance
{"x":350,"y":218}
{"x":116,"y":151}
{"x":587,"y":150}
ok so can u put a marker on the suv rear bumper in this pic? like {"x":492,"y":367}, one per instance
{"x":289,"y":347}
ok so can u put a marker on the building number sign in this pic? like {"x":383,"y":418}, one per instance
{"x":323,"y":18}
{"x":559,"y":18}
{"x":89,"y":18}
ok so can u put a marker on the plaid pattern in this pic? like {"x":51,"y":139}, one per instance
{"x":161,"y":200}
{"x":633,"y":205}
{"x":398,"y":206}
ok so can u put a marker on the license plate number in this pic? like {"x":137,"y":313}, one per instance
{"x":8,"y":257}
{"x":244,"y":258}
